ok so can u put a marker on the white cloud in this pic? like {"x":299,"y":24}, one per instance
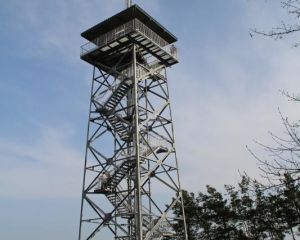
{"x":222,"y":108}
{"x":217,"y":111}
{"x":55,"y":26}
{"x":47,"y":167}
{"x":214,"y":123}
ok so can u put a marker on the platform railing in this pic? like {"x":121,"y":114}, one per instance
{"x":107,"y":38}
{"x":142,"y":28}
{"x":123,"y":30}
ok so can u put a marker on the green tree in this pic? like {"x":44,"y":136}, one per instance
{"x":191,"y":214}
{"x":245,"y":212}
{"x":217,"y":214}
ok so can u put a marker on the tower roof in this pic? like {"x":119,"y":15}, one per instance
{"x":128,"y":14}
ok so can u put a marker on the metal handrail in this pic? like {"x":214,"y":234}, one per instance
{"x":133,"y":25}
{"x":107,"y":38}
{"x":142,"y":28}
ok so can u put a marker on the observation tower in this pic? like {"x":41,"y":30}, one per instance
{"x":131,"y":178}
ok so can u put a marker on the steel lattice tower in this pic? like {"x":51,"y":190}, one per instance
{"x":130,"y":133}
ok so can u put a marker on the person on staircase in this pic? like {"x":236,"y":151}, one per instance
{"x":103,"y":178}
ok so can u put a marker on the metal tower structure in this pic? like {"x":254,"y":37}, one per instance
{"x":131,"y":179}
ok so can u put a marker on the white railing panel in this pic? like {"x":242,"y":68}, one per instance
{"x":123,"y":30}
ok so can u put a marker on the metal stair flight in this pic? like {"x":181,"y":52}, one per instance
{"x":108,"y":110}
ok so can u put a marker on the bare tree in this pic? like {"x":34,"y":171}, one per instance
{"x":284,"y":155}
{"x":292,"y":7}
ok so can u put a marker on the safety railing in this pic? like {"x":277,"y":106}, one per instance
{"x":152,"y":143}
{"x":146,"y":148}
{"x":142,"y":28}
{"x":107,"y":38}
{"x":133,"y":25}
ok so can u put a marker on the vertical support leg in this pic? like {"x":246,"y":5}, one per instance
{"x":138,"y":200}
{"x":86,"y":154}
{"x":178,"y":175}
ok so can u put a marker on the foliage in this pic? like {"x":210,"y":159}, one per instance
{"x":243,"y":212}
{"x":252,"y":211}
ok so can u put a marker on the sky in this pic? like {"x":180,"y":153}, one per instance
{"x":225,"y":93}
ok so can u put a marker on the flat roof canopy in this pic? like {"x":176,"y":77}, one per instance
{"x":128,"y":14}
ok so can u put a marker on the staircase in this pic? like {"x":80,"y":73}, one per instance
{"x":108,"y":108}
{"x":125,"y":210}
{"x":116,"y":199}
{"x":119,"y":126}
{"x":114,"y":192}
{"x":117,"y":95}
{"x":129,"y":163}
{"x":116,"y":121}
{"x":120,"y":173}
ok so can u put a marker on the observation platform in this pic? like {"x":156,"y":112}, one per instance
{"x":113,"y":37}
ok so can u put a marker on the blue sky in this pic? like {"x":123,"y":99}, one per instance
{"x":224,"y":94}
